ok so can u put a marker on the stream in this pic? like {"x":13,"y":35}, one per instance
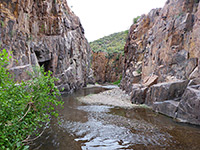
{"x":97,"y":127}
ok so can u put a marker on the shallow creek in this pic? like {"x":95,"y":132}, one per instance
{"x":97,"y":127}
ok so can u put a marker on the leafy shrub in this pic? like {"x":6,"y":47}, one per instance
{"x":118,"y":81}
{"x":24,"y":107}
{"x":135,"y":20}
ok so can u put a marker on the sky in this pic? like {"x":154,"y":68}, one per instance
{"x":104,"y":17}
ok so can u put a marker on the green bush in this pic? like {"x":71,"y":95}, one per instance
{"x":135,"y":20}
{"x":24,"y":107}
{"x":117,"y":82}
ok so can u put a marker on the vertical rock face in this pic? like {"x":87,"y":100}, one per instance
{"x":107,"y":67}
{"x":48,"y":33}
{"x":165,"y":43}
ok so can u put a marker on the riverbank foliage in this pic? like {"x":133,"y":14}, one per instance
{"x":113,"y":43}
{"x":25,"y":108}
{"x":117,"y":82}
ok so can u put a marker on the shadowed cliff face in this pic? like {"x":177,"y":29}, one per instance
{"x":162,"y":55}
{"x":45,"y":32}
{"x":107,"y":67}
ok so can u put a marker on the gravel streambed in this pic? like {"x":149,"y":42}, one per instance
{"x":115,"y":97}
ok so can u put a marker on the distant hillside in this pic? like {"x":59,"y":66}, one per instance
{"x":112,"y":43}
{"x":107,"y":57}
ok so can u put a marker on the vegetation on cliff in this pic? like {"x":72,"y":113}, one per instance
{"x":135,"y":20}
{"x":25,"y":108}
{"x":113,"y":43}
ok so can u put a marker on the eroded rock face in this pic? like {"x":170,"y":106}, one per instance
{"x":164,"y":46}
{"x":166,"y":41}
{"x":46,"y":33}
{"x":107,"y":67}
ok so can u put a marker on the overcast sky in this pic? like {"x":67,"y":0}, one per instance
{"x":103,"y":17}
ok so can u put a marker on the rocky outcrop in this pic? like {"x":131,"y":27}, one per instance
{"x":45,"y":33}
{"x":165,"y":44}
{"x":165,"y":91}
{"x":189,"y":106}
{"x":107,"y":66}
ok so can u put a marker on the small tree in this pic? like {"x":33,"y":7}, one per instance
{"x":24,"y":107}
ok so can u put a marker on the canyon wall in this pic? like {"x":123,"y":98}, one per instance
{"x":45,"y":33}
{"x":162,"y":60}
{"x":107,"y":67}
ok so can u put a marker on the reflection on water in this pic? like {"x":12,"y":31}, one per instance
{"x":106,"y":127}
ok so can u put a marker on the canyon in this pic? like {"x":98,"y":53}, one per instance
{"x":160,"y":66}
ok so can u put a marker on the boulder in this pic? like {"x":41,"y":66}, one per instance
{"x":138,"y":94}
{"x":165,"y":91}
{"x":150,"y":80}
{"x":168,"y":107}
{"x":20,"y":73}
{"x":189,"y":106}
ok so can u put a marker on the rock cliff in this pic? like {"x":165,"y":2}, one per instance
{"x":162,"y":60}
{"x":107,"y":57}
{"x":107,"y":67}
{"x":48,"y":33}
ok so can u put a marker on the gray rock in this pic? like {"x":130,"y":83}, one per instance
{"x":138,"y":94}
{"x":189,"y":107}
{"x":168,"y":107}
{"x":165,"y":91}
{"x":180,"y":57}
{"x":21,"y":72}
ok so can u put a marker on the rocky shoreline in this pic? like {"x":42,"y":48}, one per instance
{"x":162,"y":65}
{"x":182,"y":108}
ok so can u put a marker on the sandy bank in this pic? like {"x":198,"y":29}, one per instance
{"x":114,"y":97}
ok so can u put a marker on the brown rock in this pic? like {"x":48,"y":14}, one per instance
{"x":150,"y":80}
{"x":107,"y":67}
{"x":167,"y":43}
{"x":166,"y":37}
